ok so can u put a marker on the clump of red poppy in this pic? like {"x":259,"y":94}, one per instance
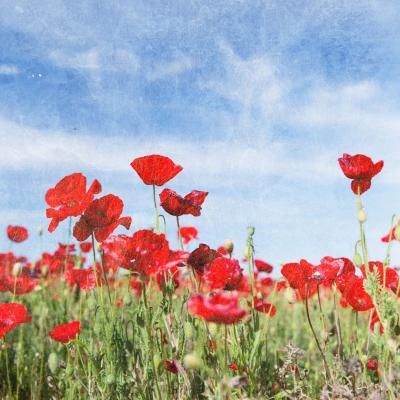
{"x":17,"y":233}
{"x":12,"y":315}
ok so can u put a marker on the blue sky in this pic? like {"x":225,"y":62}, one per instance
{"x":256,"y":100}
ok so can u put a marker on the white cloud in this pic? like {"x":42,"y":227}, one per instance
{"x":87,"y":60}
{"x":170,"y":69}
{"x":8,"y":70}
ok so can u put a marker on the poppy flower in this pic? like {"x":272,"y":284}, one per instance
{"x":188,"y":233}
{"x":391,"y":236}
{"x":22,"y":284}
{"x":221,"y":307}
{"x":86,"y":247}
{"x":353,"y":291}
{"x":11,"y":315}
{"x":84,"y":278}
{"x":262,"y":306}
{"x":155,"y":169}
{"x":372,"y":364}
{"x":223,"y":273}
{"x":201,"y":257}
{"x":17,"y":233}
{"x":360,"y":169}
{"x":233,"y":367}
{"x":391,"y":279}
{"x":69,"y":198}
{"x":170,"y":366}
{"x":263,"y":266}
{"x":101,"y":217}
{"x":177,"y":205}
{"x":299,"y":276}
{"x":64,"y":333}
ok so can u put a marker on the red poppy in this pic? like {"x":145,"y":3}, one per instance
{"x":376,"y":321}
{"x":372,"y":364}
{"x":177,"y":205}
{"x":86,"y":247}
{"x":101,"y":218}
{"x":201,"y":257}
{"x":22,"y":284}
{"x":391,"y":236}
{"x":11,"y":315}
{"x":391,"y":279}
{"x":223,"y":273}
{"x":17,"y":233}
{"x":155,"y":169}
{"x":299,"y":276}
{"x":171,"y":366}
{"x":262,"y":306}
{"x":188,"y":233}
{"x":221,"y":308}
{"x":84,"y":278}
{"x":64,"y":333}
{"x":263,"y":266}
{"x":352,"y":289}
{"x":361,"y":169}
{"x":233,"y":367}
{"x":69,"y":198}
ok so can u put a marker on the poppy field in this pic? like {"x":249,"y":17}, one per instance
{"x":120,"y":313}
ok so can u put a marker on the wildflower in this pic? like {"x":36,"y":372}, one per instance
{"x":11,"y":315}
{"x":263,"y":266}
{"x":299,"y":276}
{"x":171,"y":366}
{"x":85,"y":247}
{"x":69,"y":198}
{"x":188,"y":233}
{"x":22,"y":284}
{"x":394,"y":234}
{"x":177,"y":205}
{"x":233,"y":367}
{"x":155,"y":169}
{"x":223,"y":273}
{"x":64,"y":333}
{"x":84,"y":278}
{"x":360,"y":169}
{"x":221,"y":307}
{"x":372,"y":364}
{"x":17,"y":233}
{"x":262,"y":306}
{"x":201,"y":257}
{"x":101,"y":217}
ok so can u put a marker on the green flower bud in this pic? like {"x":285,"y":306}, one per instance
{"x":228,"y":246}
{"x":53,"y":363}
{"x":361,"y":216}
{"x":250,"y":231}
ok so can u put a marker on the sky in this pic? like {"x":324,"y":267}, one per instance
{"x":255,"y":99}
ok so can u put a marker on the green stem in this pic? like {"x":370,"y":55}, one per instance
{"x":179,"y":233}
{"x":156,"y":209}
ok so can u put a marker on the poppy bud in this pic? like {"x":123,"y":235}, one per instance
{"x":361,"y":216}
{"x":250,"y":231}
{"x":53,"y":363}
{"x":357,"y":260}
{"x":157,"y":360}
{"x":228,"y":246}
{"x":290,"y":296}
{"x":192,"y":361}
{"x":16,"y":269}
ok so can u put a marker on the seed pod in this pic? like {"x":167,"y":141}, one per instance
{"x":53,"y":363}
{"x":228,"y":246}
{"x":357,"y":260}
{"x":361,"y":216}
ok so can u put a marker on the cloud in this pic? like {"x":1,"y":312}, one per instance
{"x":9,"y":70}
{"x":170,"y":69}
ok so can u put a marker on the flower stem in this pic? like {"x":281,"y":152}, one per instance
{"x":179,"y":232}
{"x":156,"y":209}
{"x":325,"y":363}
